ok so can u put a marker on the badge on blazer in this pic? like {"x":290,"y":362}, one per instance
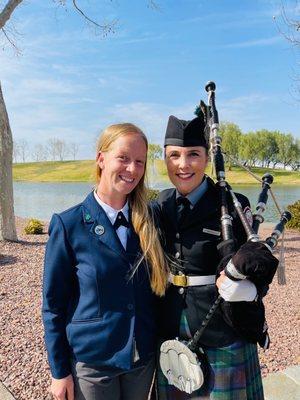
{"x":99,"y":230}
{"x":87,"y":217}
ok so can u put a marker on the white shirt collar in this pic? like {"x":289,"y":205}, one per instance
{"x":111,"y":212}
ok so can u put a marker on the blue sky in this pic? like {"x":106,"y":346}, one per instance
{"x":69,"y":83}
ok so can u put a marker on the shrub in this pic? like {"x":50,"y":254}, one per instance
{"x":294,"y":209}
{"x":34,"y":227}
{"x":152,"y":194}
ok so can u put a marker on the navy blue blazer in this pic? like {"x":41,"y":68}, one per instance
{"x":92,"y":310}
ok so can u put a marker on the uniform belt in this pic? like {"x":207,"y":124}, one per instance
{"x":185,"y":280}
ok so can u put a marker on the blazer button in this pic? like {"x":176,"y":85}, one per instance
{"x":130,"y":306}
{"x":177,"y":235}
{"x":177,"y":255}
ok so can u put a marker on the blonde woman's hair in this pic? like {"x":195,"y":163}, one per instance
{"x":141,"y":214}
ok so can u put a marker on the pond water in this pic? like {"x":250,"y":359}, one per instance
{"x":41,"y":200}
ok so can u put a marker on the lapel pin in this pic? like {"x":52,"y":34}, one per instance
{"x":99,"y":230}
{"x":87,"y":217}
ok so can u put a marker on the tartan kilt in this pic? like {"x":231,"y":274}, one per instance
{"x":233,"y":374}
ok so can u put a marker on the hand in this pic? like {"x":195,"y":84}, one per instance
{"x":235,"y":291}
{"x":62,"y":389}
{"x":221,"y":279}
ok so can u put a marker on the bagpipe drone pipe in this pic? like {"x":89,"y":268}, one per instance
{"x":253,"y":260}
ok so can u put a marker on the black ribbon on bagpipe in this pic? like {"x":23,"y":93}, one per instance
{"x":227,"y":247}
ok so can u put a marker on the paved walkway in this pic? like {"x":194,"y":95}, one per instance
{"x":5,"y":394}
{"x":284,"y":385}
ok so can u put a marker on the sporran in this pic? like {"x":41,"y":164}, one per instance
{"x":183,"y":368}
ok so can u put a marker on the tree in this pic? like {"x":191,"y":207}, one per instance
{"x":275,"y":159}
{"x":249,"y":148}
{"x":51,"y":149}
{"x":231,"y":136}
{"x":295,"y":156}
{"x":154,"y":153}
{"x":23,"y":149}
{"x":7,"y":219}
{"x":268,"y":148}
{"x":61,"y":149}
{"x":285,"y":149}
{"x":16,"y":152}
{"x":288,"y":24}
{"x":39,"y":152}
{"x":292,"y":25}
{"x":73,"y":150}
{"x":57,"y":149}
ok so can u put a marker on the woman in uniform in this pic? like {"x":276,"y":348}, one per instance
{"x":103,"y":267}
{"x":190,"y":220}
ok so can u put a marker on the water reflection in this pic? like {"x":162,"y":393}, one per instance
{"x":41,"y":200}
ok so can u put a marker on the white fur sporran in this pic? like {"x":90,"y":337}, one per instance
{"x":181,"y":366}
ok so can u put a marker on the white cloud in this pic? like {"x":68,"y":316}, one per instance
{"x":246,"y":111}
{"x":226,"y":20}
{"x":77,"y":70}
{"x":118,"y":83}
{"x":146,"y":38}
{"x":48,"y":86}
{"x":151,"y":117}
{"x":254,"y":43}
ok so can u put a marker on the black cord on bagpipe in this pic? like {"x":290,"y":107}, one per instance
{"x":226,"y":219}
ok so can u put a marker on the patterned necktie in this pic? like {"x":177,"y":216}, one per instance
{"x":121,"y":221}
{"x":183,"y":207}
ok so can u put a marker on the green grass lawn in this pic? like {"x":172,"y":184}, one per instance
{"x":238,"y":176}
{"x":83,"y":171}
{"x":55,"y":171}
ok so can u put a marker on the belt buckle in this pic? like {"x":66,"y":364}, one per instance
{"x":180,"y":280}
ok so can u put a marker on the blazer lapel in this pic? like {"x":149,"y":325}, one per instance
{"x":103,"y":230}
{"x":101,"y":227}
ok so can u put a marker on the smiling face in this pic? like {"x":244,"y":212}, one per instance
{"x":122,"y":167}
{"x":186,"y":166}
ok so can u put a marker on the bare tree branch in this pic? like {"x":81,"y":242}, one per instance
{"x":154,"y":5}
{"x":105,"y":28}
{"x":11,"y":41}
{"x":7,"y":11}
{"x":292,"y":26}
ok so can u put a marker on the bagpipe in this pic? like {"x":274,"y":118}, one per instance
{"x":252,"y":261}
{"x":184,"y":362}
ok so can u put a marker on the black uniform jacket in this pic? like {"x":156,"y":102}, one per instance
{"x":193,"y":247}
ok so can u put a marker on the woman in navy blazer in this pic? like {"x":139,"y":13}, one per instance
{"x":103,"y":267}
